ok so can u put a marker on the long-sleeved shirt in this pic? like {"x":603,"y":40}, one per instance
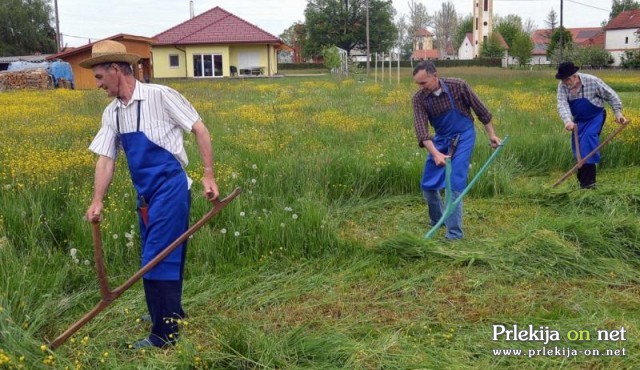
{"x":463,"y":97}
{"x":593,"y":89}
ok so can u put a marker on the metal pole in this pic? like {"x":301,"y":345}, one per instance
{"x":368,"y":47}
{"x":390,"y":70}
{"x":382,"y":71}
{"x":58,"y":38}
{"x":398,"y":67}
{"x":376,"y":68}
{"x":561,"y":32}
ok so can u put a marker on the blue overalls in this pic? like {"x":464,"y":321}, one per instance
{"x":447,"y":126}
{"x":590,"y":119}
{"x":161,"y":183}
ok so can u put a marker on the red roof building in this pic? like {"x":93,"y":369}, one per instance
{"x":215,"y":43}
{"x":622,"y":34}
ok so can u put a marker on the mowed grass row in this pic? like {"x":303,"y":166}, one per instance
{"x":320,"y":263}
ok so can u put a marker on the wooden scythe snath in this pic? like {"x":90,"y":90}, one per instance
{"x":107,"y":295}
{"x":591,"y":154}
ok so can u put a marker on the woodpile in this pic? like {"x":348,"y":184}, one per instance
{"x":36,"y":78}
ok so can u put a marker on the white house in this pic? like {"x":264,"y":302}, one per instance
{"x":622,"y":34}
{"x":465,"y":51}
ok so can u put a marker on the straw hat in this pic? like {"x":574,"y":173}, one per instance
{"x":108,"y":51}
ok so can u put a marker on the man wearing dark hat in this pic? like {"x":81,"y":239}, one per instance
{"x":581,"y":100}
{"x":147,"y":121}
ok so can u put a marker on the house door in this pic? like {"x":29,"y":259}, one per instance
{"x":207,"y":65}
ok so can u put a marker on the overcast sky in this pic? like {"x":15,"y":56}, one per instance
{"x":81,"y":20}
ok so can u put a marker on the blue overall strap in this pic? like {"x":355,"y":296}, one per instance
{"x":137,"y":120}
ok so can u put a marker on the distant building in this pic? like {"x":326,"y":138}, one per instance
{"x":482,"y":24}
{"x":423,"y":46}
{"x":622,"y":34}
{"x":215,"y":44}
{"x":584,"y":37}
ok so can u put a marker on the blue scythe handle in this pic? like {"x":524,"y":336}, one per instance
{"x":451,"y":205}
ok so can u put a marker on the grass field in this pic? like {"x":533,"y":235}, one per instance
{"x":320,"y":263}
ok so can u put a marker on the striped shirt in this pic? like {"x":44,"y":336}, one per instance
{"x":463,"y":97}
{"x":594,"y":90}
{"x":164,"y":115}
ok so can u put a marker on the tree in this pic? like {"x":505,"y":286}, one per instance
{"x":509,"y":27}
{"x":619,"y":6}
{"x":296,"y":37}
{"x":418,"y":17}
{"x":405,"y":38}
{"x":25,"y":28}
{"x":522,"y":48}
{"x":492,"y":48}
{"x":465,"y":25}
{"x":445,"y":24}
{"x":529,"y":26}
{"x":343,"y":23}
{"x":552,"y":20}
{"x":553,"y":49}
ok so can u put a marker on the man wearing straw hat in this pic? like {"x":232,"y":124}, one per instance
{"x":147,"y":121}
{"x":581,"y":100}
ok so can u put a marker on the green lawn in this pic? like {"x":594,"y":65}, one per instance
{"x":321,"y":262}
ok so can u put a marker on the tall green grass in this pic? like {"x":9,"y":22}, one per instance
{"x":320,"y":263}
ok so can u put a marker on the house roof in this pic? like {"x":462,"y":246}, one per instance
{"x":469,"y":35}
{"x":422,"y":32}
{"x":80,"y":49}
{"x":215,"y":26}
{"x":627,"y":19}
{"x":425,"y":54}
{"x":586,"y":36}
{"x":503,"y":43}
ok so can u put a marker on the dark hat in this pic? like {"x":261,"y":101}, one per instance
{"x":108,"y":51}
{"x":566,"y":69}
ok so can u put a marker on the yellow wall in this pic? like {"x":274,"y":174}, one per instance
{"x":229,"y":54}
{"x":161,"y":67}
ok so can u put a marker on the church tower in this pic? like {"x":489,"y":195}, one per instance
{"x":482,"y":24}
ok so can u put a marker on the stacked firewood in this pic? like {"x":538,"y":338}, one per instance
{"x":36,"y":78}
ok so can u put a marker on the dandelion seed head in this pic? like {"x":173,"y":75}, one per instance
{"x":237,"y":233}
{"x":294,"y":216}
{"x":254,"y":166}
{"x":242,"y":214}
{"x":223,"y":231}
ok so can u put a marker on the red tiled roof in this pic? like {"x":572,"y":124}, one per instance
{"x":425,"y":54}
{"x":588,"y":36}
{"x":628,"y":19}
{"x":423,"y":32}
{"x":502,"y":42}
{"x":215,"y":26}
{"x":469,"y":35}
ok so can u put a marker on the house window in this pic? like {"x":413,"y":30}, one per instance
{"x":207,"y":65}
{"x":476,"y":23}
{"x":420,"y":46}
{"x":174,"y":61}
{"x":626,"y":40}
{"x":486,"y":5}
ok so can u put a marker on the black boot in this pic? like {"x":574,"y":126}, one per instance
{"x":587,"y":176}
